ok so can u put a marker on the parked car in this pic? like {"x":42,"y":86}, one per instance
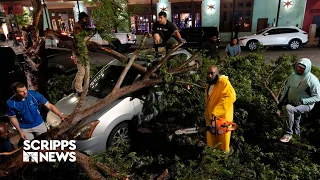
{"x":11,"y":67}
{"x":197,"y":36}
{"x":111,"y":125}
{"x":121,"y":41}
{"x":291,"y":37}
{"x":59,"y":61}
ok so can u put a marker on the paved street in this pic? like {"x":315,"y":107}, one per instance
{"x":271,"y":53}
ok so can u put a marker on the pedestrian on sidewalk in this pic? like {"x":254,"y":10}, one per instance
{"x":301,"y":92}
{"x":233,"y":49}
{"x":212,"y":47}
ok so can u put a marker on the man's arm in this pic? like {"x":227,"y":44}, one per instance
{"x":283,"y":94}
{"x":54,"y":109}
{"x":15,"y":123}
{"x":315,"y":92}
{"x":177,"y":34}
{"x":239,"y":48}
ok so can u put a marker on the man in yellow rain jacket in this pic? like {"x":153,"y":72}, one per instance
{"x":220,"y":97}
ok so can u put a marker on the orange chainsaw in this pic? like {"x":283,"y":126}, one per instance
{"x":218,"y":126}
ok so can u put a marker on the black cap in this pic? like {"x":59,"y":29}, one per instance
{"x":82,"y":15}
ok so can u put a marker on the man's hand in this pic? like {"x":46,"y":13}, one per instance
{"x":63,"y":117}
{"x":22,"y":135}
{"x":181,"y":40}
{"x":278,"y":113}
{"x":297,"y":103}
{"x":3,"y":173}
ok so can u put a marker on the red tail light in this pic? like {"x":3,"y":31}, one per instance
{"x":64,"y":33}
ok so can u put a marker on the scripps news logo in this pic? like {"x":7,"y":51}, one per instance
{"x":49,"y":151}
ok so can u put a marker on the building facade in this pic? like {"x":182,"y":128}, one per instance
{"x":251,"y":15}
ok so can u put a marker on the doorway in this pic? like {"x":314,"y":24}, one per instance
{"x":262,"y":24}
{"x":316,"y":20}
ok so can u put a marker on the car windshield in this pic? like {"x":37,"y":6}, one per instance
{"x":103,"y":83}
{"x":261,"y":31}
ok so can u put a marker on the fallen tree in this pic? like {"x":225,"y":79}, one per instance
{"x":152,"y":77}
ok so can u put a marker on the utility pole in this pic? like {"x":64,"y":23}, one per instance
{"x":233,"y":6}
{"x":192,"y":15}
{"x":151,"y":14}
{"x":278,"y":13}
{"x":78,"y":6}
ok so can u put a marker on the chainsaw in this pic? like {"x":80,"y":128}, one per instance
{"x":218,"y":126}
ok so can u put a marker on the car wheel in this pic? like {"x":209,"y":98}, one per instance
{"x":294,"y":44}
{"x":252,"y":45}
{"x":117,"y":46}
{"x":119,"y":136}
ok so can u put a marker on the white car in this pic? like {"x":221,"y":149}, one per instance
{"x":111,"y":125}
{"x":291,"y":37}
{"x":121,"y":42}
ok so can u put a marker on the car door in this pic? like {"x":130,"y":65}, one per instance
{"x":284,"y":36}
{"x":288,"y":34}
{"x":270,"y":37}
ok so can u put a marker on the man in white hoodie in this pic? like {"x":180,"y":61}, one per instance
{"x":301,"y":92}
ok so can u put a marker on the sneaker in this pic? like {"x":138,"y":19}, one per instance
{"x":286,"y":138}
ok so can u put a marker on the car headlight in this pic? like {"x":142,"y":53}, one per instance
{"x":85,"y":131}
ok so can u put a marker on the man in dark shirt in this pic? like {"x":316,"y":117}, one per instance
{"x":162,"y":31}
{"x":5,"y":144}
{"x":212,"y":47}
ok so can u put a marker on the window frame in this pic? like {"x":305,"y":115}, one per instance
{"x":226,"y":15}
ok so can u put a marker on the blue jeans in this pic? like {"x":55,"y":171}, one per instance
{"x":294,"y":117}
{"x":5,"y":145}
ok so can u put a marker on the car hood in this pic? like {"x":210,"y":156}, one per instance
{"x":67,"y":105}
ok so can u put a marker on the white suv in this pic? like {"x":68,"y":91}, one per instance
{"x":291,"y":37}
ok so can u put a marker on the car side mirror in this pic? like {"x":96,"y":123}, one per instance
{"x":265,"y":34}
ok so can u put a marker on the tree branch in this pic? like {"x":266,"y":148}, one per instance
{"x":120,"y":57}
{"x":128,"y":66}
{"x":271,"y":92}
{"x":189,"y":68}
{"x":183,"y":64}
{"x":86,"y":164}
{"x":10,"y":153}
{"x":108,"y":171}
{"x":161,"y":62}
{"x":188,"y":83}
{"x":38,"y":14}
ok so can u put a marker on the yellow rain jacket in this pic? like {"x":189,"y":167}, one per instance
{"x":220,"y":104}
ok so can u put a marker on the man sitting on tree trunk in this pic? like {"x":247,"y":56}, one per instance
{"x":162,"y":31}
{"x":79,"y":27}
{"x":301,"y":92}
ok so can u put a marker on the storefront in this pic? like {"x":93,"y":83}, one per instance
{"x":142,"y":20}
{"x":312,"y":15}
{"x":62,"y":20}
{"x":183,"y":14}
